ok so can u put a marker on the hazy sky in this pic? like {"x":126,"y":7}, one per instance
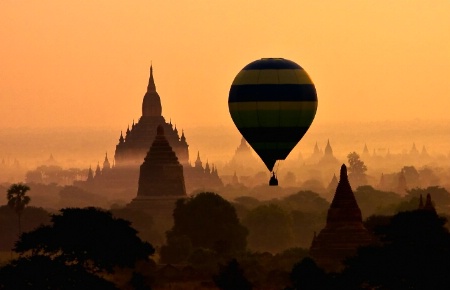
{"x":86,"y":63}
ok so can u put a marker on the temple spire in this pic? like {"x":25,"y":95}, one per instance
{"x":151,"y":81}
{"x":151,"y":105}
{"x":344,"y":207}
{"x":121,"y":140}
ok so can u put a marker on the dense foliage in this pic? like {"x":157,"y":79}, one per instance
{"x":205,"y":221}
{"x":89,"y":237}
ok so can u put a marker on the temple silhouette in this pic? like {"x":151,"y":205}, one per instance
{"x":344,"y":231}
{"x":119,"y":178}
{"x":161,"y":182}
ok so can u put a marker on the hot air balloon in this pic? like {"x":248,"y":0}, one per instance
{"x":272,"y":102}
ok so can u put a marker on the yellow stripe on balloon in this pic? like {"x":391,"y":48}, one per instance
{"x":272,"y":76}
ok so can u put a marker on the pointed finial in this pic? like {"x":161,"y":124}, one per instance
{"x":151,"y":82}
{"x":343,"y":172}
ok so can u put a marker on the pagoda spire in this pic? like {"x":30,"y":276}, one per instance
{"x":198,"y":162}
{"x":121,"y":140}
{"x":328,"y":149}
{"x":429,"y":204}
{"x":182,"y":138}
{"x":151,"y":105}
{"x":90,"y":176}
{"x":344,"y":208}
{"x":151,"y":81}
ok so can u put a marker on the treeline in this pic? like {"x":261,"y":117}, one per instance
{"x":257,"y":244}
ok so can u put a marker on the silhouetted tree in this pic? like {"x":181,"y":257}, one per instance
{"x":88,"y":237}
{"x":17,"y":199}
{"x":306,"y":275}
{"x":412,"y":176}
{"x":270,"y":228}
{"x":138,"y":282}
{"x":248,"y":201}
{"x":304,"y":224}
{"x":142,"y":222}
{"x":357,"y":170}
{"x":231,"y":277}
{"x":440,"y":196}
{"x":373,"y":201}
{"x":43,"y":272}
{"x":210,"y":222}
{"x":176,"y":250}
{"x":414,"y":254}
{"x":305,"y":201}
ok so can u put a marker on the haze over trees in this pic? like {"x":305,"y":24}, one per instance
{"x":270,"y":229}
{"x":204,"y":221}
{"x":357,"y":170}
{"x":17,"y":200}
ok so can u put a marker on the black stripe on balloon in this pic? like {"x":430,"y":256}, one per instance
{"x":272,"y":92}
{"x":273,"y":135}
{"x":272,"y":63}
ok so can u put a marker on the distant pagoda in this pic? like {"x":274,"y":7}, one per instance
{"x":344,"y":231}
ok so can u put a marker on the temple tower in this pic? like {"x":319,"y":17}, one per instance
{"x":161,"y":183}
{"x":344,"y":231}
{"x":161,"y":174}
{"x":131,"y":149}
{"x":151,"y":105}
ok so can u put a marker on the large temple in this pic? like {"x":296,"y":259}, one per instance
{"x":161,"y":173}
{"x":120,"y":179}
{"x":132,"y":148}
{"x":161,"y":182}
{"x":344,"y":231}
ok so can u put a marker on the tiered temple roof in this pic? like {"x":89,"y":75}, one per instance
{"x":161,"y":173}
{"x":344,"y":231}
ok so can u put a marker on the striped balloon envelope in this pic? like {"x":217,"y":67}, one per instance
{"x":272,"y":102}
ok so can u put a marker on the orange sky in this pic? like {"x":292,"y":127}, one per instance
{"x":86,"y":63}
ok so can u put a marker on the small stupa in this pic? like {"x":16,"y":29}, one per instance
{"x":344,"y":231}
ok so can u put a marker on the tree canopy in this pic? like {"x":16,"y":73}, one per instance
{"x":414,"y":254}
{"x":17,"y":199}
{"x":89,"y":237}
{"x":270,"y":228}
{"x":357,"y":170}
{"x":207,"y":221}
{"x":43,"y":272}
{"x":231,"y":277}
